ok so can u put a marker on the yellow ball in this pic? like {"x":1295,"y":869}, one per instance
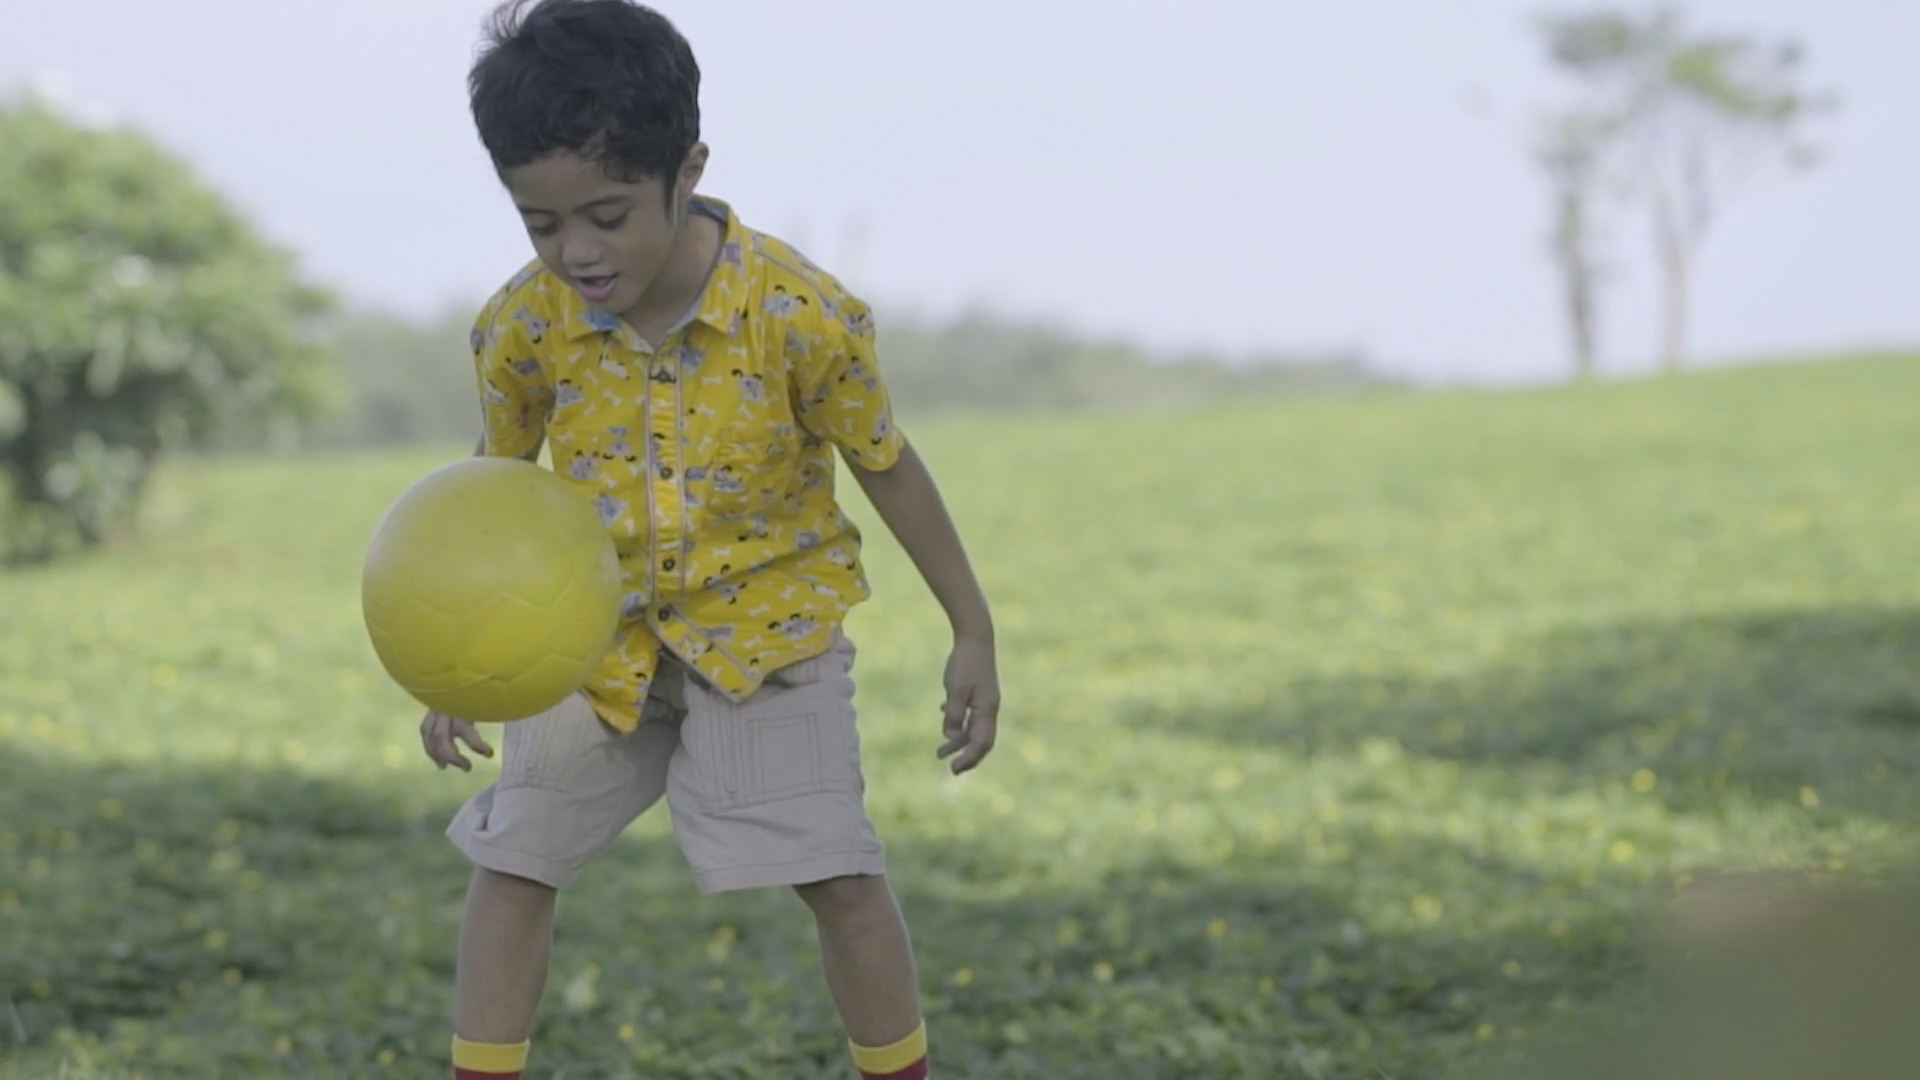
{"x":491,"y":590}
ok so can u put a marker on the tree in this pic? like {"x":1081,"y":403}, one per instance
{"x":1699,"y":115}
{"x":138,"y":313}
{"x":1572,"y":150}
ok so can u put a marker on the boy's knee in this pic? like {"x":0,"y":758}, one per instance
{"x":848,"y":899}
{"x":513,"y":889}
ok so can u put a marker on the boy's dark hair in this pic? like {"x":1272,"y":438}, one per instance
{"x":610,"y":80}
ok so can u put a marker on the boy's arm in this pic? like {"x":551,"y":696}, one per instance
{"x":908,"y":501}
{"x":515,"y":397}
{"x":840,"y":397}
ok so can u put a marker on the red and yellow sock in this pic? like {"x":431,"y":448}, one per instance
{"x":904,"y":1060}
{"x":488,"y":1061}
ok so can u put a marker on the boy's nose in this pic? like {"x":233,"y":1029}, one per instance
{"x":581,"y":256}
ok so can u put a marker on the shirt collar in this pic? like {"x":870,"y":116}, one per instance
{"x":719,"y":303}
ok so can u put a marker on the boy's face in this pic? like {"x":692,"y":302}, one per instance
{"x":606,"y":238}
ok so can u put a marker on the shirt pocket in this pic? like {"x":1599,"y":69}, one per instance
{"x":750,"y":475}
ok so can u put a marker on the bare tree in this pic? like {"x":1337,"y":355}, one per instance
{"x":1699,"y":115}
{"x":1571,"y":149}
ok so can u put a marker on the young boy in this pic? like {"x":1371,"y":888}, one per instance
{"x":695,"y":379}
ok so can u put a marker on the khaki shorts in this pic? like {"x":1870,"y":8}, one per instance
{"x":765,"y":793}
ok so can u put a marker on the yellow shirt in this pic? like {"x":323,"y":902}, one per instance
{"x":710,"y":457}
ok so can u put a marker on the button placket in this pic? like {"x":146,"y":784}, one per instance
{"x":662,"y":390}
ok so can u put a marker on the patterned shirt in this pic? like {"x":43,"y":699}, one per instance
{"x":709,"y":457}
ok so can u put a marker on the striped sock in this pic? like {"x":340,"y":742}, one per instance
{"x":488,"y":1061}
{"x":904,"y":1060}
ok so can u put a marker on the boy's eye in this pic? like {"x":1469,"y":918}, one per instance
{"x":611,"y":225}
{"x":543,"y":230}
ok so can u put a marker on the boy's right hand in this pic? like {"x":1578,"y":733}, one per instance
{"x":438,"y":734}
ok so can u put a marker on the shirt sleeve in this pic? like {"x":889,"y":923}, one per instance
{"x":515,"y":398}
{"x":841,"y":396}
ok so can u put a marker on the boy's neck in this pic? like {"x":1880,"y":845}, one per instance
{"x":696,"y":247}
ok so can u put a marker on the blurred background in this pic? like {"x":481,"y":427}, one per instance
{"x":1443,"y":471}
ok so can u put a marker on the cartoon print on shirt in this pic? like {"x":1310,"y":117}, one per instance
{"x":795,"y":626}
{"x":536,"y":326}
{"x":752,"y":387}
{"x":611,"y":509}
{"x":767,"y":552}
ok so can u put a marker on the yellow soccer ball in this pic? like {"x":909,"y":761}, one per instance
{"x":491,"y":590}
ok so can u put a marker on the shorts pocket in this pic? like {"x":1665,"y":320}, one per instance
{"x":777,"y":745}
{"x":555,"y":750}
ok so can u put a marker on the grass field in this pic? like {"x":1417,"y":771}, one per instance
{"x":1344,"y":740}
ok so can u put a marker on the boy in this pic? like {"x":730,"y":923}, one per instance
{"x":694,"y":378}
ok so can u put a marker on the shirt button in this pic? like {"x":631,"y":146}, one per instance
{"x":666,"y":472}
{"x":668,"y":565}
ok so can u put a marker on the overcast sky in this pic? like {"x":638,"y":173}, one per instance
{"x":1247,"y":174}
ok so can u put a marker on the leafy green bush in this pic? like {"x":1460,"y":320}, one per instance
{"x":138,"y":311}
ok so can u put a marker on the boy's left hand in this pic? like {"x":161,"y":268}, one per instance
{"x":972,"y":709}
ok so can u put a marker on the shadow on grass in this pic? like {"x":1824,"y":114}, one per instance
{"x":205,"y":922}
{"x":1764,"y":705}
{"x":177,"y":922}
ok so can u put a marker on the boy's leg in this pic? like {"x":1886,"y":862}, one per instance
{"x":568,"y":786}
{"x":768,"y":794}
{"x":867,"y":955}
{"x":505,"y":938}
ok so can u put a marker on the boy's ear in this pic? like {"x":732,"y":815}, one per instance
{"x":691,"y":170}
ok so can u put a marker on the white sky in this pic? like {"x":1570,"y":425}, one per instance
{"x":1249,"y":173}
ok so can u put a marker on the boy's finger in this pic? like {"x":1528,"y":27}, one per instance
{"x":980,"y":739}
{"x":954,"y":714}
{"x":476,"y":740}
{"x":953,"y":724}
{"x":446,"y":753}
{"x":430,"y":740}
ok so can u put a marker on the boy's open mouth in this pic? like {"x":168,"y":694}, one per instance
{"x":597,"y":289}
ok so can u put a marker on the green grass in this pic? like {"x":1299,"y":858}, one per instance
{"x":1343,"y":740}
